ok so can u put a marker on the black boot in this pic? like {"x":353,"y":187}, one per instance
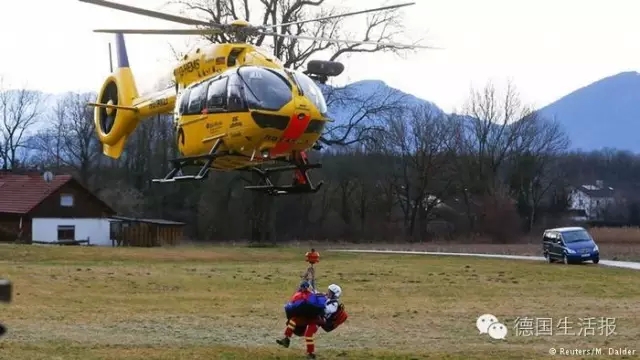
{"x":311,"y":356}
{"x":284,"y":342}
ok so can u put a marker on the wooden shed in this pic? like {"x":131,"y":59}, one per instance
{"x":126,"y":231}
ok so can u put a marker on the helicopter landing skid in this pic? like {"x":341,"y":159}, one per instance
{"x":178,"y":164}
{"x":270,"y":188}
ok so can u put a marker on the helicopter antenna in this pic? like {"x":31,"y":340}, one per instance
{"x":110,"y":59}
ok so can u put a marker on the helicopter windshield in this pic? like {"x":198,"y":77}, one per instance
{"x":266,"y":88}
{"x":311,"y":91}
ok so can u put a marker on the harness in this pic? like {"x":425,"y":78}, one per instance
{"x":310,"y":308}
{"x":336,"y":319}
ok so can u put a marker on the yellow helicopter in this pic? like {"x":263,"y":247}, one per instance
{"x":235,"y":106}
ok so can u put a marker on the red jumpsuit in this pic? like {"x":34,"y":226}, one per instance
{"x":310,"y":325}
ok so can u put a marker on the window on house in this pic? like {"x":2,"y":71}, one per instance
{"x":66,"y":232}
{"x":66,"y":200}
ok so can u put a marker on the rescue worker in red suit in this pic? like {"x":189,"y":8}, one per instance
{"x":310,"y":325}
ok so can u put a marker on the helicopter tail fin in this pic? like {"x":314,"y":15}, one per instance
{"x":115,"y":115}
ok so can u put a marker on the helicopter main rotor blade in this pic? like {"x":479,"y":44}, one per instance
{"x":389,"y":7}
{"x":161,"y":31}
{"x":150,"y":13}
{"x":357,"y":42}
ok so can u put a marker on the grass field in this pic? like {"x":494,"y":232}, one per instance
{"x":226,"y":303}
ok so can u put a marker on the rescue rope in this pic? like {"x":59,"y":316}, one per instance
{"x":310,"y":276}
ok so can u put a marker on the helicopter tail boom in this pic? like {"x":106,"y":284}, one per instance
{"x":119,"y":108}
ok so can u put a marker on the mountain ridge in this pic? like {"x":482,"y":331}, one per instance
{"x":603,"y":114}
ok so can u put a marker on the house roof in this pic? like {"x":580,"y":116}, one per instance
{"x":594,"y":191}
{"x":22,"y":192}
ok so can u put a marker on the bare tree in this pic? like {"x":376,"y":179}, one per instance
{"x":79,"y":134}
{"x":48,"y":142}
{"x":19,"y":112}
{"x":536,"y":165}
{"x":420,"y":141}
{"x":381,"y":26}
{"x":487,"y":135}
{"x":70,"y":140}
{"x":492,"y":130}
{"x":359,"y":112}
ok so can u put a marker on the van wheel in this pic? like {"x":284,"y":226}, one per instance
{"x":596,"y":260}
{"x":548,"y":257}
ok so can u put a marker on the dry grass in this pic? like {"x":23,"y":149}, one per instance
{"x":609,"y":251}
{"x":625,"y":235}
{"x":614,"y":243}
{"x":226,"y":303}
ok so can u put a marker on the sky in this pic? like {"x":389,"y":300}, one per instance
{"x":546,"y":48}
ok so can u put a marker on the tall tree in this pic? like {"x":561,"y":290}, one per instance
{"x":536,"y":166}
{"x":19,"y":111}
{"x":420,"y":140}
{"x":488,"y":133}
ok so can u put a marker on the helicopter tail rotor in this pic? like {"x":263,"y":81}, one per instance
{"x":115,"y":117}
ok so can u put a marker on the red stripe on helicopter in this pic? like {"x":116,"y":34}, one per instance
{"x":297,"y":125}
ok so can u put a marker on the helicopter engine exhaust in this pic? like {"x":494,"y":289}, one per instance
{"x":321,"y":70}
{"x":325,"y":67}
{"x":115,"y":117}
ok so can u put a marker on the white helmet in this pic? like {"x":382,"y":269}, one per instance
{"x":335,"y":289}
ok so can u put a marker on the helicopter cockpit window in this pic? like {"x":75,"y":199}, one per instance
{"x":235,"y":101}
{"x":265,"y":88}
{"x":197,"y":97}
{"x":217,"y":95}
{"x":311,"y":91}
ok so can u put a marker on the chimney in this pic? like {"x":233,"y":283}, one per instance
{"x":600,"y":184}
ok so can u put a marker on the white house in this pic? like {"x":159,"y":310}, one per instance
{"x":33,"y":208}
{"x":594,"y":200}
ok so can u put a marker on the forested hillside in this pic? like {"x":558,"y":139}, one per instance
{"x":394,"y":171}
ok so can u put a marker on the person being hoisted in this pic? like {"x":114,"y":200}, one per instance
{"x":304,"y":316}
{"x":334,"y":314}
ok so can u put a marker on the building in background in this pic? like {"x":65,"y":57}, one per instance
{"x":595,"y":200}
{"x":52,"y":210}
